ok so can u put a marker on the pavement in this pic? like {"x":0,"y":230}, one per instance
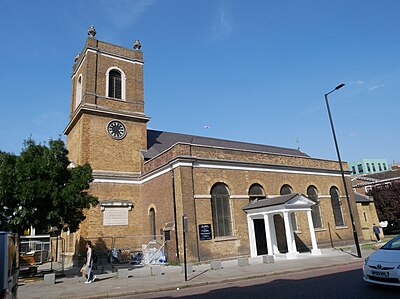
{"x":140,"y":279}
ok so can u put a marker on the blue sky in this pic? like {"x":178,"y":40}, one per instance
{"x":253,"y":71}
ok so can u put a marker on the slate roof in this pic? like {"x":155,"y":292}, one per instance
{"x":270,"y":201}
{"x":384,"y":175}
{"x":159,"y":141}
{"x":361,"y":198}
{"x":377,"y":178}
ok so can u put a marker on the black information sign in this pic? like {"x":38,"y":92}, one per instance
{"x":205,"y":232}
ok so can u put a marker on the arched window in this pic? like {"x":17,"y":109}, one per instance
{"x":115,"y":84}
{"x":78,"y":92}
{"x":256,"y":191}
{"x":286,"y":189}
{"x":221,"y":211}
{"x":152,"y":215}
{"x":336,"y":206}
{"x":315,"y":209}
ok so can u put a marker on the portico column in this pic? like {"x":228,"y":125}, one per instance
{"x":315,"y":250}
{"x":275,"y":249}
{"x":292,"y":254}
{"x":252,"y":237}
{"x":268,"y":234}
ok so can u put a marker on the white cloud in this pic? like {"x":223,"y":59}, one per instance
{"x":358,"y":82}
{"x":353,"y":134}
{"x":123,"y":13}
{"x":222,"y":25}
{"x":376,"y":86}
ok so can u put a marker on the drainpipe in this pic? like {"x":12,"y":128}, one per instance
{"x":175,"y":219}
{"x":194,"y":204}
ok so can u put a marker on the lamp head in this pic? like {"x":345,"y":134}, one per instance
{"x":339,"y":86}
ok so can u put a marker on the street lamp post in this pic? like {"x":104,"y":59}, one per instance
{"x":342,"y":172}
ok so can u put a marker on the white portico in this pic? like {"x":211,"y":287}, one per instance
{"x":263,"y":211}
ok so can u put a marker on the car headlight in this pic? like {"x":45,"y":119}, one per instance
{"x":366,"y":261}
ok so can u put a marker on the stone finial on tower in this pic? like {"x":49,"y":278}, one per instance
{"x":137,"y":45}
{"x":91,"y":32}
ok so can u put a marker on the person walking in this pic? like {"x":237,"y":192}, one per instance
{"x":376,"y":232}
{"x":89,"y":263}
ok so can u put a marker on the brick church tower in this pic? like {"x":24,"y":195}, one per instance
{"x":107,"y":129}
{"x":107,"y":125}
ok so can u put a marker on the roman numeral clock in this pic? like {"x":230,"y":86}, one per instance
{"x":116,"y":129}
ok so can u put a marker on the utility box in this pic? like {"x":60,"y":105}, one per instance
{"x":9,"y":265}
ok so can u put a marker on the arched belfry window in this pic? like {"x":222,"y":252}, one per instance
{"x":152,"y":216}
{"x":315,"y":209}
{"x":286,"y":189}
{"x":114,"y":84}
{"x":221,"y":211}
{"x":256,"y":191}
{"x":78,"y":92}
{"x":115,"y":87}
{"x":336,"y":206}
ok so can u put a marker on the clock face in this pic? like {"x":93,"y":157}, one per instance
{"x":116,"y":129}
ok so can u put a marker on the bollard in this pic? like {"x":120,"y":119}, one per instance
{"x":216,"y":265}
{"x":243,"y":261}
{"x":155,"y":270}
{"x":268,"y":259}
{"x":189,"y":268}
{"x":50,"y":278}
{"x":122,"y":273}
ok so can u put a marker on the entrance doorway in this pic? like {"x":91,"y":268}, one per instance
{"x":261,"y":239}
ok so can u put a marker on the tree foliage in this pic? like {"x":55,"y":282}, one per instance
{"x":38,"y":189}
{"x":387,"y":201}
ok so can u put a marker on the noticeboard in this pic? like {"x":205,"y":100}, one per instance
{"x":205,"y":232}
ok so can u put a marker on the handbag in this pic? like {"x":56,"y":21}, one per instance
{"x":83,"y":269}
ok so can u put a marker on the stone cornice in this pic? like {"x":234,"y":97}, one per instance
{"x":99,"y":110}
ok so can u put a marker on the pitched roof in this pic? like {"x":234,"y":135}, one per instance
{"x":360,"y":198}
{"x":376,"y":178}
{"x":274,"y":201}
{"x":159,"y":141}
{"x":384,"y":175}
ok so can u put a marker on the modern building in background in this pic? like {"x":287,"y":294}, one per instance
{"x":368,"y":166}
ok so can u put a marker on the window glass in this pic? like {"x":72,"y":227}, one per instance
{"x":78,"y":95}
{"x":153,"y":223}
{"x":379,"y":167}
{"x":360,"y":168}
{"x":286,"y":189}
{"x":368,"y":168}
{"x":315,"y":209}
{"x":115,"y":84}
{"x":336,"y":206}
{"x":256,"y":191}
{"x":221,"y":211}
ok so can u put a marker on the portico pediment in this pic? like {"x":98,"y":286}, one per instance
{"x":300,"y":200}
{"x":293,"y":202}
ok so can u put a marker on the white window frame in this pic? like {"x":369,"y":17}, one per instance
{"x":123,"y":83}
{"x":78,"y":91}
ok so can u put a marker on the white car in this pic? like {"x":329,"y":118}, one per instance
{"x":383,"y":266}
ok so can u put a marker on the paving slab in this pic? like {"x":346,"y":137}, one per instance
{"x":140,"y":279}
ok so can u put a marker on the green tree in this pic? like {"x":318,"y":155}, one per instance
{"x":38,"y":188}
{"x":387,"y":201}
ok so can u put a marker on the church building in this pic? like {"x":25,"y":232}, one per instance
{"x":222,"y":198}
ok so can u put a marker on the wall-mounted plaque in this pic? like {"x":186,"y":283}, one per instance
{"x":115,"y":216}
{"x":205,"y":232}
